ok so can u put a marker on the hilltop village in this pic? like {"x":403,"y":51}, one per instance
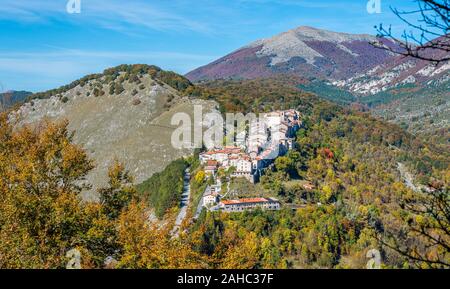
{"x":256,"y":149}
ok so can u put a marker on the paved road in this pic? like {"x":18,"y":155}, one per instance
{"x":200,"y":204}
{"x":186,"y":195}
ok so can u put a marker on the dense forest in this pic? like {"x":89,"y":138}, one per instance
{"x":359,"y":199}
{"x":163,"y":190}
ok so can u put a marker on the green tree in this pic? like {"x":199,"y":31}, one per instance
{"x":119,"y":192}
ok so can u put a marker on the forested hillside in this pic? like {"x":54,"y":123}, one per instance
{"x":373,"y":186}
{"x":359,"y":198}
{"x":163,"y":190}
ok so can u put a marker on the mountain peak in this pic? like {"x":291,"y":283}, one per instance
{"x":306,"y":28}
{"x":305,"y":51}
{"x":308,"y":33}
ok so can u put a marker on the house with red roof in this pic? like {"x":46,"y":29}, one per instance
{"x":247,"y":204}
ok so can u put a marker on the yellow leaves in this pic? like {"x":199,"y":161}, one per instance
{"x":378,"y":202}
{"x":327,"y":194}
{"x":330,"y":174}
{"x":420,"y":220}
{"x":283,"y":163}
{"x":74,"y":161}
{"x":327,"y":190}
{"x":147,"y":245}
{"x":363,"y":210}
{"x":244,"y":255}
{"x":119,"y":193}
{"x":40,"y":173}
{"x":199,"y":177}
{"x":118,"y":175}
{"x":401,"y":191}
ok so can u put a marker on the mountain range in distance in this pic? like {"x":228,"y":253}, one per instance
{"x":12,"y":97}
{"x":346,"y":60}
{"x":341,"y":67}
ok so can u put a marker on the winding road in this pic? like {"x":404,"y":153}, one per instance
{"x":185,"y":197}
{"x":200,"y":205}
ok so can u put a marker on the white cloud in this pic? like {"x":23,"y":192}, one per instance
{"x":109,"y":14}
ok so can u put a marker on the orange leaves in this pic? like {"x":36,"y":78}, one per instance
{"x":40,"y":172}
{"x":244,"y":255}
{"x":327,"y":153}
{"x":75,"y":163}
{"x":118,"y":175}
{"x":147,"y":245}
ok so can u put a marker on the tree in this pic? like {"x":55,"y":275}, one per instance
{"x":163,"y":190}
{"x":119,"y":193}
{"x":41,"y":176}
{"x":101,"y":237}
{"x":430,"y":36}
{"x":200,"y":177}
{"x":243,"y":255}
{"x":149,"y":245}
{"x":283,"y":164}
{"x":327,"y":194}
{"x":427,"y":232}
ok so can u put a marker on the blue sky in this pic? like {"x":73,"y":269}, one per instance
{"x":43,"y":46}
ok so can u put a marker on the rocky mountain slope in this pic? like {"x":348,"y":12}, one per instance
{"x":123,"y":113}
{"x":304,"y":51}
{"x":397,"y":72}
{"x":413,"y":93}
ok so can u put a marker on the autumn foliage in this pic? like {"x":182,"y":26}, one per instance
{"x":356,"y":199}
{"x":42,"y":216}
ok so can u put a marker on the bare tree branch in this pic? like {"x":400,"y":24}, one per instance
{"x":429,"y":38}
{"x":426,"y":238}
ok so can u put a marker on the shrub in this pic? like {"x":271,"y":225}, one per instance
{"x":98,"y":92}
{"x":118,"y":88}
